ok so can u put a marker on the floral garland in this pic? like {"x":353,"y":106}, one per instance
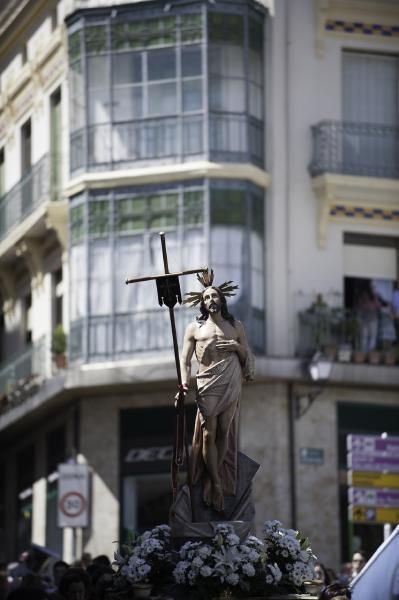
{"x":280,"y":562}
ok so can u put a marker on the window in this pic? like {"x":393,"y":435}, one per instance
{"x":144,"y":97}
{"x":58,"y":293}
{"x":2,"y":172}
{"x":370,"y":113}
{"x":55,"y":144}
{"x":115,"y":320}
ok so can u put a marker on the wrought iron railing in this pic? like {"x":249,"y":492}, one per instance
{"x":326,"y":329}
{"x":25,"y":196}
{"x":22,"y":371}
{"x":363,"y":149}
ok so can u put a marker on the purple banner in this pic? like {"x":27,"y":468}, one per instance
{"x":361,"y":462}
{"x":373,"y":445}
{"x":370,"y":497}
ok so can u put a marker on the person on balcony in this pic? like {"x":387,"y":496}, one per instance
{"x":395,"y":309}
{"x":368,"y":308}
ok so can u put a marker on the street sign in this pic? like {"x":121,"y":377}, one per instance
{"x":369,"y":462}
{"x":376,"y":498}
{"x":73,"y":495}
{"x":312,"y":456}
{"x":373,"y":479}
{"x":366,"y":514}
{"x":367,"y":445}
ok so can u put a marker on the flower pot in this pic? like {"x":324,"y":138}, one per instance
{"x":359,"y":357}
{"x":389,"y":358}
{"x":374,"y":357}
{"x":142,"y":590}
{"x":60,"y":361}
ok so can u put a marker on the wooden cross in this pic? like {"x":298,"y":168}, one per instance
{"x":168,"y":288}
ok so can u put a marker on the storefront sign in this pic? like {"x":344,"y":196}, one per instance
{"x":374,"y":497}
{"x":73,"y":495}
{"x":373,"y":479}
{"x":368,"y":514}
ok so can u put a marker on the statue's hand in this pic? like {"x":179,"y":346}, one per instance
{"x":184,"y":388}
{"x":227,"y":345}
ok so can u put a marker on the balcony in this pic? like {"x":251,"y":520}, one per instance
{"x":337,"y":332}
{"x":361,"y":149}
{"x":31,"y":191}
{"x":355,"y":173}
{"x":22,"y":375}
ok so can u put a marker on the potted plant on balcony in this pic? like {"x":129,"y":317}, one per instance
{"x":58,"y":346}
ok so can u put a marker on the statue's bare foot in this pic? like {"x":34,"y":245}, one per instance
{"x":217,"y":497}
{"x":207,"y":495}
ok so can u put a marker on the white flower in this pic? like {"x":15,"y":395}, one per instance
{"x":232,"y":539}
{"x":232,"y":578}
{"x":204,"y":551}
{"x":197,"y":562}
{"x":206,"y":571}
{"x":248,"y":569}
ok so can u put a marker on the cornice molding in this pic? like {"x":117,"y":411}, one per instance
{"x":169,"y":173}
{"x":368,"y":199}
{"x":369,"y":12}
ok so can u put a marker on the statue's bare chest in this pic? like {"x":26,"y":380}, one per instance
{"x":216,"y":331}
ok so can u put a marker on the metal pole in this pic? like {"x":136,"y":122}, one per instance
{"x":179,"y":379}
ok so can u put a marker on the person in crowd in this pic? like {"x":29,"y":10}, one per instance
{"x":367,"y":308}
{"x":323,"y":575}
{"x":75,"y":585}
{"x":60,"y":567}
{"x":345,"y":573}
{"x":395,"y":309}
{"x":86,"y":559}
{"x":4,"y":583}
{"x":102,"y":560}
{"x":17,"y":571}
{"x":27,"y":593}
{"x":358,"y":562}
{"x":101,"y":578}
{"x":335,"y":591}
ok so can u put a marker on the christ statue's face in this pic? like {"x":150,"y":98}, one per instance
{"x":212,"y":301}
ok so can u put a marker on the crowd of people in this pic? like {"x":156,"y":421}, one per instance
{"x":87,"y":579}
{"x":90,"y":579}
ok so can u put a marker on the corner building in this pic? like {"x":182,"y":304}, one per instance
{"x":246,"y":132}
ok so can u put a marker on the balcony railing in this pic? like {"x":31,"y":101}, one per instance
{"x":25,"y":196}
{"x":232,"y":137}
{"x":362,"y":149}
{"x":342,"y":335}
{"x":21,"y":376}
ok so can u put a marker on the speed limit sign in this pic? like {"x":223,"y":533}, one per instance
{"x":73,"y":491}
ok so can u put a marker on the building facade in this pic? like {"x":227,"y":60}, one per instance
{"x":262,"y":138}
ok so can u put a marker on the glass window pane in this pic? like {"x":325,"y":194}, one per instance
{"x":160,"y":31}
{"x":96,"y":39}
{"x":193,"y":207}
{"x":162,"y":98}
{"x":225,"y":28}
{"x":127,"y":35}
{"x":161,"y":65}
{"x":193,"y":134}
{"x":74,"y":46}
{"x":226,"y":61}
{"x":192,"y":95}
{"x":127,"y":68}
{"x":228,"y":207}
{"x":100,"y":278}
{"x":227,"y":95}
{"x":98,"y":218}
{"x":191,"y":58}
{"x":191,"y":26}
{"x":76,"y":216}
{"x":99,"y":89}
{"x":128,"y":103}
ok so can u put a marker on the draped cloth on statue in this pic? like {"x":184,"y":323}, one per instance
{"x":218,"y":388}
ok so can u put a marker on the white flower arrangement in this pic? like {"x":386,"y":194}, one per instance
{"x":148,"y":558}
{"x":282,"y":561}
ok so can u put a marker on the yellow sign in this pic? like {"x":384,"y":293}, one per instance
{"x":368,"y":479}
{"x":367,"y":514}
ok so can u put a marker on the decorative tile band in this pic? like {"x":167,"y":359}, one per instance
{"x":357,"y":212}
{"x":362,"y":28}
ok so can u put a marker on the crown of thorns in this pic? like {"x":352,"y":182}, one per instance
{"x":206,"y":279}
